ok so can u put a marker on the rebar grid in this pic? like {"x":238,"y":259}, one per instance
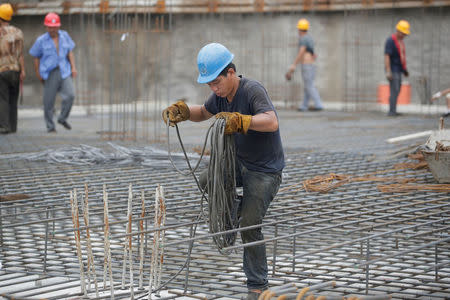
{"x":365,"y":240}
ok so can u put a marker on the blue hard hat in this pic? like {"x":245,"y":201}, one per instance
{"x":211,"y":60}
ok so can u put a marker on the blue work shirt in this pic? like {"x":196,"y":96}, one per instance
{"x":45,"y":50}
{"x":394,"y":57}
{"x":258,"y":151}
{"x":308,"y":42}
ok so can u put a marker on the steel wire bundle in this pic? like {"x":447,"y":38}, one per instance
{"x":221,"y":187}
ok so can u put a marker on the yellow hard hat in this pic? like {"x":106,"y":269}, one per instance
{"x":403,"y":27}
{"x":303,"y":24}
{"x":6,"y":11}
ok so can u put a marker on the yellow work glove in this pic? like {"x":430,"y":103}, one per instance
{"x":177,"y":112}
{"x":235,"y":122}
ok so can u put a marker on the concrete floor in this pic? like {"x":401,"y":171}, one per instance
{"x":364,"y":132}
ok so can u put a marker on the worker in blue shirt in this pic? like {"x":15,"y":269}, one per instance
{"x":54,"y":64}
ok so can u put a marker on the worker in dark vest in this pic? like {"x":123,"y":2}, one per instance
{"x":395,"y":63}
{"x":251,"y":117}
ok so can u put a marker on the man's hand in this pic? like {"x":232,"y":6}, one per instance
{"x":74,"y":72}
{"x":389,"y":75}
{"x":235,"y":122}
{"x":406,"y":73}
{"x":289,"y":73}
{"x":22,"y":75}
{"x":177,"y":112}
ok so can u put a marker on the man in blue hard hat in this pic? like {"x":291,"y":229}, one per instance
{"x":251,"y":117}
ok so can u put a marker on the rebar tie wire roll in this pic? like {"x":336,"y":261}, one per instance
{"x":221,"y":187}
{"x":221,"y":184}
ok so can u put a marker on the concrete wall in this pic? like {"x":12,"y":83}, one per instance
{"x":161,"y":66}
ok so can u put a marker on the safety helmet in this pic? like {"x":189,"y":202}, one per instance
{"x":6,"y":11}
{"x":403,"y":27}
{"x":52,"y":20}
{"x":303,"y":24}
{"x":211,"y":60}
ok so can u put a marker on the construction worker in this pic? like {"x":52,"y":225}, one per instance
{"x":306,"y":58}
{"x":12,"y":69}
{"x":54,"y":64}
{"x":440,"y":94}
{"x":251,"y":117}
{"x":395,"y":63}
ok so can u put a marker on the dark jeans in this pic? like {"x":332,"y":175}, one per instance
{"x":394,"y":87}
{"x":259,"y":189}
{"x":9,"y":94}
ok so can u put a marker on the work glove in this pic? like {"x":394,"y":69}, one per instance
{"x":177,"y":112}
{"x":235,"y":122}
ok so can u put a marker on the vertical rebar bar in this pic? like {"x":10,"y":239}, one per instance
{"x":46,"y":239}
{"x":367,"y":266}
{"x":107,"y":250}
{"x":436,"y":268}
{"x":158,"y":242}
{"x":162,"y":223}
{"x":1,"y":226}
{"x":294,"y":245}
{"x":130,"y":239}
{"x":275,"y":249}
{"x":141,"y":242}
{"x":77,"y":234}
{"x":90,"y":256}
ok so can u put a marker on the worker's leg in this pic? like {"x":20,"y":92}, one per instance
{"x":306,"y":96}
{"x":67,"y":95}
{"x":14,"y":97}
{"x":309,"y":75}
{"x":4,"y":103}
{"x":51,"y":86}
{"x":259,"y":190}
{"x":394,"y":87}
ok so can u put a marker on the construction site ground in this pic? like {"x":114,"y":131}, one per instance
{"x":366,"y":240}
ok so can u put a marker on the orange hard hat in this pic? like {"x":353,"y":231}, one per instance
{"x":52,"y":20}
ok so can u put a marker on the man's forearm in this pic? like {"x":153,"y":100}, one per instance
{"x":264,"y":122}
{"x":22,"y":63}
{"x":72,"y":60}
{"x":198,"y":113}
{"x":387,"y":63}
{"x":36,"y":67}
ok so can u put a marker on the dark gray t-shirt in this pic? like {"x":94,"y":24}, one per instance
{"x":258,"y":151}
{"x":308,"y":42}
